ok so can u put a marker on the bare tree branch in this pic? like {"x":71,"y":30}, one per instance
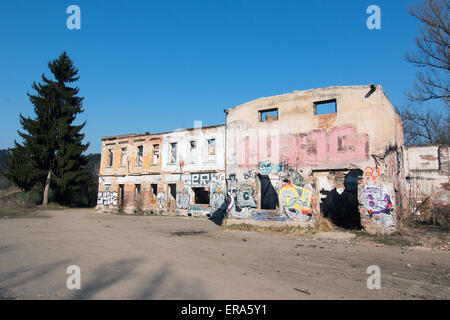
{"x":433,"y":54}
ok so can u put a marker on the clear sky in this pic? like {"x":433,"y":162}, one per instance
{"x":159,"y":65}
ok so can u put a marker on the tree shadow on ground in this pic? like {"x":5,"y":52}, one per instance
{"x":165,"y":285}
{"x":15,"y":278}
{"x":105,"y":276}
{"x":162,"y":283}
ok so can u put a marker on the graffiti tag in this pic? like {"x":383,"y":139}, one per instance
{"x":107,"y":198}
{"x":183,"y":200}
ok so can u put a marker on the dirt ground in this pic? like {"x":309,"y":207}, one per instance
{"x":153,"y":257}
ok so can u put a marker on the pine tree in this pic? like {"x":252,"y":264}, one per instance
{"x":51,"y":153}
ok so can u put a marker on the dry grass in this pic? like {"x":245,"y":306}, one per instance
{"x":16,"y":204}
{"x":321,"y":225}
{"x":394,"y":239}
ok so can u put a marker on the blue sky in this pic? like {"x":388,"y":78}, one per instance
{"x":158,"y":66}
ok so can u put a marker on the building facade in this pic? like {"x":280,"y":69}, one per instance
{"x":336,"y":152}
{"x":176,"y":172}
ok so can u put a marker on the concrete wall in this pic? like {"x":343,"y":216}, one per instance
{"x":301,"y":156}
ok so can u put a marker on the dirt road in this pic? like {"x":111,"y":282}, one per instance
{"x":150,"y":257}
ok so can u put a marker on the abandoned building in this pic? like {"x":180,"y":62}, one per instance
{"x":176,"y":171}
{"x":337,"y":152}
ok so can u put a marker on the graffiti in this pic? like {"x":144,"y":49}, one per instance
{"x":233,"y":209}
{"x":182,"y":200}
{"x":231,"y":202}
{"x":245,"y":198}
{"x":385,"y":219}
{"x":369,"y":172}
{"x":160,"y":199}
{"x":375,"y":200}
{"x":249,"y":174}
{"x":289,"y":173}
{"x":217,"y":200}
{"x":203,"y":179}
{"x":265,"y":167}
{"x":269,"y":216}
{"x":107,"y":198}
{"x":296,"y":201}
{"x":232,"y":177}
{"x":243,"y":213}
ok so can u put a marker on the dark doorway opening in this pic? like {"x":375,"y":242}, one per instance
{"x":121,"y":197}
{"x":173,"y":191}
{"x":137,"y":199}
{"x":154,"y":191}
{"x":269,"y":197}
{"x":342,"y":208}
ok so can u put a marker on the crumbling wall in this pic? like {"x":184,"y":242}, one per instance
{"x":301,"y":156}
{"x":427,"y":180}
{"x":126,"y":181}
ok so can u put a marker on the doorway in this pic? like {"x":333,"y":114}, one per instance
{"x":269,"y":197}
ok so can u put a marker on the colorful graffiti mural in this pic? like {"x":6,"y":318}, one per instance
{"x":376,"y":200}
{"x":295,"y":201}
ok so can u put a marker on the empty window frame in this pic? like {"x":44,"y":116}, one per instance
{"x":123,"y":160}
{"x":140,"y":156}
{"x":325,"y":107}
{"x":137,"y":193}
{"x":173,"y":153}
{"x":201,"y":195}
{"x":154,"y":191}
{"x":110,"y":157}
{"x":155,"y":154}
{"x":211,"y":147}
{"x":268,"y":115}
{"x":192,"y":149}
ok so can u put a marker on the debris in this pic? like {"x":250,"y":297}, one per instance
{"x":302,"y":291}
{"x":409,"y":266}
{"x":243,"y":239}
{"x":380,"y":245}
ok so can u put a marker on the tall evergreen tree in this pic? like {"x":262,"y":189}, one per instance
{"x":51,"y":152}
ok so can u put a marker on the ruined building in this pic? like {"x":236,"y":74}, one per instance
{"x":156,"y":173}
{"x":337,"y":152}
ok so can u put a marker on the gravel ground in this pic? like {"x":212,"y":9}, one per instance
{"x":153,"y":257}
